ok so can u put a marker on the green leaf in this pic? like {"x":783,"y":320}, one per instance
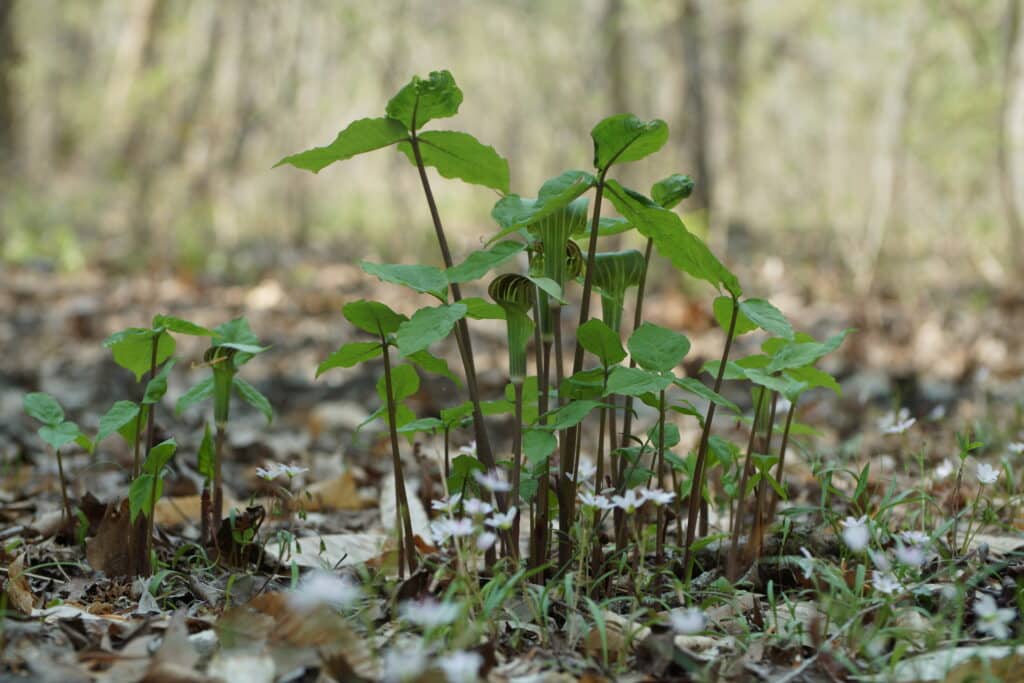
{"x":157,"y":387}
{"x":127,"y":431}
{"x":549,"y":287}
{"x":481,"y":309}
{"x":422,"y":100}
{"x":608,"y":226}
{"x":538,"y":444}
{"x":669,"y":191}
{"x":364,"y":135}
{"x":705,"y":392}
{"x":787,"y":387}
{"x":60,"y":434}
{"x":583,"y":384}
{"x":196,"y":394}
{"x":623,"y":138}
{"x":799,"y":354}
{"x":425,"y":279}
{"x":433,"y":364}
{"x":461,"y":475}
{"x":722,"y":308}
{"x":133,"y":349}
{"x":180,"y":326}
{"x":427,"y":326}
{"x":404,"y":383}
{"x":481,"y":261}
{"x":657,"y":348}
{"x":462,"y":157}
{"x":205,"y":460}
{"x":253,"y":397}
{"x":602,"y":341}
{"x":158,"y":457}
{"x":569,"y":415}
{"x":814,"y":377}
{"x":373,"y":316}
{"x":513,"y":212}
{"x":120,"y":414}
{"x":430,"y":425}
{"x":236,"y":334}
{"x":349,"y":355}
{"x":140,"y":495}
{"x":684,"y":249}
{"x":43,"y":408}
{"x":634,"y":382}
{"x":767,"y":317}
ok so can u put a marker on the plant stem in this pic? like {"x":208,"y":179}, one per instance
{"x":462,"y":338}
{"x":396,"y":461}
{"x":782,"y":454}
{"x":517,"y":459}
{"x":638,"y":319}
{"x":737,"y":518}
{"x":697,"y":486}
{"x":757,"y":529}
{"x":63,"y":485}
{"x":660,"y":528}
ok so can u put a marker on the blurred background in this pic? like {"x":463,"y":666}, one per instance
{"x":880,"y":141}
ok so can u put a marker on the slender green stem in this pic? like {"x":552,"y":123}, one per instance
{"x":661,"y":526}
{"x":63,"y":485}
{"x":638,"y":319}
{"x":757,"y":529}
{"x":396,"y":460}
{"x":779,"y":471}
{"x":517,"y":459}
{"x":737,"y":518}
{"x":697,"y":486}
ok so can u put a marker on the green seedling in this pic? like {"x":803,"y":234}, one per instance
{"x":57,"y":432}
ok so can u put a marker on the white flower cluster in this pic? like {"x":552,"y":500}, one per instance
{"x":410,"y":662}
{"x":477,"y":519}
{"x":896,"y":422}
{"x":276,"y":469}
{"x":629,"y":502}
{"x":324,"y":589}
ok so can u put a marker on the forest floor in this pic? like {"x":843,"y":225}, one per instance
{"x":953,"y":361}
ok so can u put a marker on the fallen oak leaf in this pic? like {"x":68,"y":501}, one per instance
{"x":19,"y":592}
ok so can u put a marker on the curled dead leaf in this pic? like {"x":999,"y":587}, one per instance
{"x":339,"y":493}
{"x":19,"y":592}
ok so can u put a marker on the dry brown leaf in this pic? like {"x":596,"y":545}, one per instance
{"x":339,"y":493}
{"x":107,"y":551}
{"x":19,"y":592}
{"x":178,"y":510}
{"x":339,"y":550}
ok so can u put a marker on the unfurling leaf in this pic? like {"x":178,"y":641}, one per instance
{"x":424,"y":99}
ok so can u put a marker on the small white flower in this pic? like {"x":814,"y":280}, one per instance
{"x":595,"y":500}
{"x":276,"y":469}
{"x":461,"y":666}
{"x":782,"y":406}
{"x":629,"y":501}
{"x":403,"y":664}
{"x":474,"y":507}
{"x":657,"y":496}
{"x":493,"y":481}
{"x":885,"y":583}
{"x":585,"y":472}
{"x":688,"y":621}
{"x":503,"y":520}
{"x":1016,"y":447}
{"x":323,"y":588}
{"x":915,"y":537}
{"x":806,"y":563}
{"x":469,"y":450}
{"x":855,"y":533}
{"x":944,"y":469}
{"x":485,"y":540}
{"x":987,"y":474}
{"x":896,"y":423}
{"x":429,"y":613}
{"x":446,"y":504}
{"x":937,"y":413}
{"x":910,"y":555}
{"x":880,"y":560}
{"x":992,"y":619}
{"x":443,"y":529}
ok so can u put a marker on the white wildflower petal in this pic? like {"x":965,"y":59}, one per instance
{"x":322,"y":588}
{"x":987,"y":474}
{"x":896,"y":422}
{"x":469,"y":450}
{"x":880,"y":560}
{"x":806,"y":563}
{"x":688,"y":621}
{"x":992,"y":619}
{"x":915,"y":537}
{"x":910,"y":555}
{"x":486,"y":540}
{"x":658,"y":497}
{"x":446,"y":504}
{"x":943,"y":469}
{"x":293,"y":470}
{"x":429,"y":613}
{"x":629,"y":502}
{"x":597,"y":501}
{"x":885,"y":583}
{"x":461,"y":666}
{"x":474,"y":507}
{"x":503,"y":520}
{"x":493,"y":481}
{"x":1016,"y":447}
{"x":855,"y":533}
{"x":403,"y":664}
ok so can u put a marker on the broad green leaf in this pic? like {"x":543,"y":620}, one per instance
{"x":479,"y":262}
{"x":669,"y":191}
{"x":427,"y":326}
{"x":787,"y":387}
{"x":608,"y":225}
{"x":562,"y":189}
{"x":404,"y":383}
{"x":623,"y":138}
{"x":349,"y":355}
{"x":684,"y":249}
{"x":206,"y":457}
{"x":60,"y":434}
{"x":585,"y":384}
{"x":141,"y":496}
{"x":602,"y":341}
{"x":569,"y":415}
{"x":430,"y":425}
{"x":253,"y":397}
{"x":767,"y":317}
{"x":705,"y":392}
{"x":424,"y":99}
{"x":159,"y":455}
{"x":481,"y":309}
{"x":43,"y":408}
{"x":457,"y":415}
{"x":127,"y":431}
{"x":797,"y":355}
{"x":196,"y":394}
{"x":530,"y":394}
{"x":133,"y":349}
{"x":657,"y":348}
{"x":513,"y":212}
{"x":460,"y":156}
{"x":538,"y":445}
{"x":180,"y":326}
{"x":236,"y":334}
{"x":120,"y":414}
{"x":722,"y":308}
{"x":372,"y":316}
{"x":814,"y":377}
{"x":157,"y":387}
{"x":671,"y":434}
{"x":549,"y":287}
{"x":425,"y":279}
{"x":433,"y":364}
{"x":85,"y":443}
{"x":634,"y":382}
{"x":364,"y":135}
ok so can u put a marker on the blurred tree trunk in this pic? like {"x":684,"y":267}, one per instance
{"x":730,"y":90}
{"x":1011,"y":138}
{"x":615,"y":57}
{"x":695,"y":122}
{"x":8,"y":108}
